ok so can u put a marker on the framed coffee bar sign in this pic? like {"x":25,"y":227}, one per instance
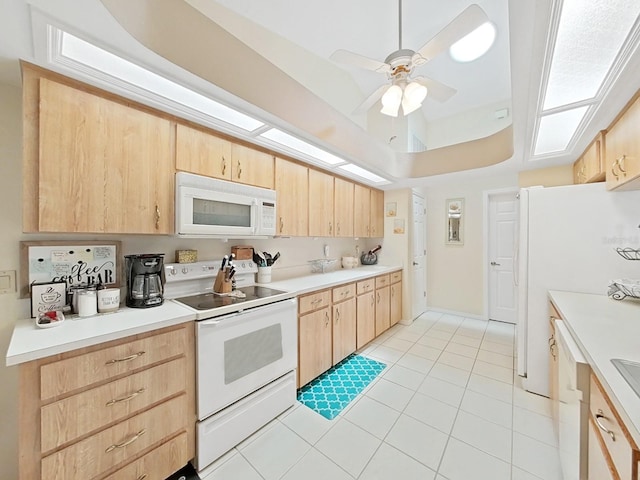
{"x":71,"y":262}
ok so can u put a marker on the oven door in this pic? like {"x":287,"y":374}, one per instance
{"x":241,"y":352}
{"x":208,"y":212}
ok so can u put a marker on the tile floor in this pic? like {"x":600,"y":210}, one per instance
{"x":447,"y":407}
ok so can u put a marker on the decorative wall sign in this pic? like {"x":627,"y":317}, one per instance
{"x":48,"y":297}
{"x":454,"y":221}
{"x":391,"y":209}
{"x":398,"y":225}
{"x":72,"y":262}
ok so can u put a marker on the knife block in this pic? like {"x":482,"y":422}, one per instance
{"x":220,"y":285}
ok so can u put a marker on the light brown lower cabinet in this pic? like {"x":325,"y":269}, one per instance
{"x":314,"y":336}
{"x":395,"y":301}
{"x":126,"y":406}
{"x":366,"y":318}
{"x":600,"y":464}
{"x":383,"y":307}
{"x":344,"y":322}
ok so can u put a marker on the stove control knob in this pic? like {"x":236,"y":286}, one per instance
{"x":185,"y":270}
{"x":205,"y":268}
{"x":250,"y":264}
{"x":172,"y":270}
{"x":244,"y":265}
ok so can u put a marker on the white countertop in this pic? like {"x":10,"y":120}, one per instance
{"x":30,"y":342}
{"x":605,"y":328}
{"x":318,"y":281}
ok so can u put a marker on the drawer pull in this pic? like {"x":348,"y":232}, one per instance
{"x":125,"y":359}
{"x":224,"y":169}
{"x":128,"y":442}
{"x":142,"y":477}
{"x":600,"y":415}
{"x":124,"y":399}
{"x":620,"y":163}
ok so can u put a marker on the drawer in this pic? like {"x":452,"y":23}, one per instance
{"x":78,"y":415}
{"x":313,"y":301}
{"x":396,"y":277}
{"x":365,"y":286}
{"x":598,"y":459}
{"x":619,"y":447}
{"x":65,"y":376}
{"x":113,"y":446}
{"x":161,"y":462}
{"x":382,"y":281}
{"x":344,"y":292}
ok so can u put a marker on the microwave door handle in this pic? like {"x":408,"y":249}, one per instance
{"x":254,"y":214}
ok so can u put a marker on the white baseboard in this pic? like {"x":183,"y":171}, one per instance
{"x":460,"y":314}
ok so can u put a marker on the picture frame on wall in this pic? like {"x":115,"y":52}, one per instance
{"x":454,"y":221}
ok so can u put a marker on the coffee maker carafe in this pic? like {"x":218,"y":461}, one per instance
{"x":144,"y":280}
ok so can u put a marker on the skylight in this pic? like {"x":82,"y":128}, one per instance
{"x":88,"y":55}
{"x":590,"y":35}
{"x":362,"y":173}
{"x":301,"y":146}
{"x":475,"y":44}
{"x":556,"y":130}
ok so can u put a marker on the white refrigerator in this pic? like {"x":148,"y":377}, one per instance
{"x":568,"y":240}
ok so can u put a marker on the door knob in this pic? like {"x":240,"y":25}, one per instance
{"x":495,"y":264}
{"x":415,"y":263}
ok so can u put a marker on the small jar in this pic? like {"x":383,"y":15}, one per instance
{"x":87,"y":302}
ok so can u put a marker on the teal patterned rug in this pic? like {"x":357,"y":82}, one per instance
{"x":334,"y":389}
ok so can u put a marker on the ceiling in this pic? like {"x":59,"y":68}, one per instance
{"x":295,"y":39}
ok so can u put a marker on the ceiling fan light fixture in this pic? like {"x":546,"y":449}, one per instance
{"x":414,"y":94}
{"x":391,"y":101}
{"x":475,"y":44}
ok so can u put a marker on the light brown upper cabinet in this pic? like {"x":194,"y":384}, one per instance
{"x":102,"y":166}
{"x":202,"y":153}
{"x":343,"y":208}
{"x":622,"y":150}
{"x":362,"y":211}
{"x":320,"y":204}
{"x":292,"y":185}
{"x":589,"y":167}
{"x":251,"y":166}
{"x":377,"y":213}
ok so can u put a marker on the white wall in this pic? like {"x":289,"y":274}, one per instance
{"x":295,"y":253}
{"x":455,"y":273}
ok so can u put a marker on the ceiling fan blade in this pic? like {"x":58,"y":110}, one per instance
{"x":350,"y":58}
{"x":436,"y":90}
{"x":371,"y":100}
{"x":471,"y":18}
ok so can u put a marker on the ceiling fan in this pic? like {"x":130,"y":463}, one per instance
{"x":406,"y":90}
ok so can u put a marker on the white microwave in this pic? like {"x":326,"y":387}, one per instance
{"x":208,"y":207}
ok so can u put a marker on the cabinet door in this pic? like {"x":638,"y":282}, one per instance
{"x":600,"y":464}
{"x":592,"y":159}
{"x":377,"y":213}
{"x":103,"y":167}
{"x":395,"y":312}
{"x":202,"y":153}
{"x":314,"y":345}
{"x":553,"y":374}
{"x":252,"y":167}
{"x":343,"y":208}
{"x":366,"y":319}
{"x":320,"y":204}
{"x":292,"y":186}
{"x":622,"y":150}
{"x":382,"y":310}
{"x":344,"y":329}
{"x":362,"y":211}
{"x":578,"y":171}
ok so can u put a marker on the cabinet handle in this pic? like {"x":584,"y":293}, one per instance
{"x":128,"y":442}
{"x":600,"y":415}
{"x":368,"y":234}
{"x":326,"y":319}
{"x":223,"y":165}
{"x":157,"y":217}
{"x":125,"y":359}
{"x":552,"y":349}
{"x":239,"y":169}
{"x":330,"y":229}
{"x":378,"y":294}
{"x":281,"y":224}
{"x":125,"y":399}
{"x":338,"y":227}
{"x":620,"y":162}
{"x":142,"y":477}
{"x":337,"y":314}
{"x":372,"y":301}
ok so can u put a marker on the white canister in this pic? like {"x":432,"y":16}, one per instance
{"x":264,"y":274}
{"x":108,"y":300}
{"x":87,"y":303}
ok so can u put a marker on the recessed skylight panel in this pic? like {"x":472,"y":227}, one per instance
{"x":556,"y":130}
{"x":98,"y":59}
{"x":362,"y":173}
{"x":301,"y":146}
{"x":590,"y":35}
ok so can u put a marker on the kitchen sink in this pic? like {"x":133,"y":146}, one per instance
{"x":630,"y":371}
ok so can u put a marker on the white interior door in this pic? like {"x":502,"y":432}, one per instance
{"x":419,"y":257}
{"x":503,"y":291}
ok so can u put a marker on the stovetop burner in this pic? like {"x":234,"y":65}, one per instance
{"x":208,"y":301}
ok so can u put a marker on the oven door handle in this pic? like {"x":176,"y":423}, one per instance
{"x":215,"y":321}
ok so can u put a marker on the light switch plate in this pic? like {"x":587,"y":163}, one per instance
{"x":7,"y":281}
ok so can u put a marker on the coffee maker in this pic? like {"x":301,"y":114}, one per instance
{"x":144,"y":280}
